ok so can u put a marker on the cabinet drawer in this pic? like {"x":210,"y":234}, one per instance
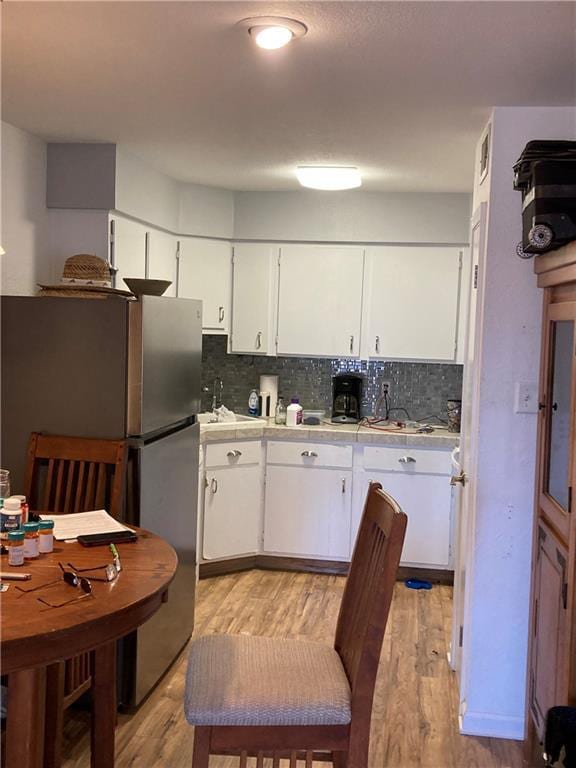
{"x":306,"y":454}
{"x":233,"y":454}
{"x":407,"y":460}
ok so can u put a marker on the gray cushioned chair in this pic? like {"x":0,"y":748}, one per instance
{"x":268,"y":697}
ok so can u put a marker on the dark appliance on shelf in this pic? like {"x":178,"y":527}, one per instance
{"x":118,"y":369}
{"x":545,"y":173}
{"x":346,"y":399}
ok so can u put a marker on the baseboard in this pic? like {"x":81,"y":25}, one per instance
{"x":308,"y":565}
{"x":494,"y":726}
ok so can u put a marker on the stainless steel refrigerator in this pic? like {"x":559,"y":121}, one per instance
{"x":117,"y":368}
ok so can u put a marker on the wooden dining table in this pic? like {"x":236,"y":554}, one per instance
{"x":35,"y":635}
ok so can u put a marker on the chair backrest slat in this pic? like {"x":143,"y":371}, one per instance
{"x":368,"y":593}
{"x":73,"y":474}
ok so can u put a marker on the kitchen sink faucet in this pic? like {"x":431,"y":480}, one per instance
{"x":217,"y":388}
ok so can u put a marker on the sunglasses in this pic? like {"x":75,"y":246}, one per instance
{"x":111,"y":570}
{"x":71,"y":578}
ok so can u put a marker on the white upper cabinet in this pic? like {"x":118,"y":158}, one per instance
{"x":205,"y":272}
{"x":320,"y":300}
{"x":254,"y":298}
{"x":161,"y":263}
{"x":128,"y":250}
{"x":411,"y":300}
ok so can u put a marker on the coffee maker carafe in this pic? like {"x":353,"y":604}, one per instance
{"x":346,"y":399}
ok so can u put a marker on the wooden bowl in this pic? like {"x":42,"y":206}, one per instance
{"x":142,"y":287}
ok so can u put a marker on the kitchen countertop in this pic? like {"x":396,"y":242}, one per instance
{"x":328,"y":432}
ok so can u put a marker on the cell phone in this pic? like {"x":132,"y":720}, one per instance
{"x":100,"y":539}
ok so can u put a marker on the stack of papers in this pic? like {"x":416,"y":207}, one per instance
{"x":83,"y":523}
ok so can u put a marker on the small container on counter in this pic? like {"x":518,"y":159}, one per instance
{"x":10,"y":515}
{"x":23,"y":506}
{"x":312,"y":418}
{"x":31,"y":541}
{"x":294,"y":413}
{"x":45,"y":536}
{"x":280,"y":412}
{"x":16,"y":548}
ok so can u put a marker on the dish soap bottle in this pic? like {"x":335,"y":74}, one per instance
{"x":253,"y":403}
{"x":280,"y":415}
{"x":294,"y":413}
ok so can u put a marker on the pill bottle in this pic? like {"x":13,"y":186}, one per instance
{"x":45,"y":536}
{"x":16,"y":548}
{"x":31,"y":543}
{"x":11,"y":515}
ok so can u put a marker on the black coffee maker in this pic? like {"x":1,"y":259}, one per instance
{"x":346,"y":399}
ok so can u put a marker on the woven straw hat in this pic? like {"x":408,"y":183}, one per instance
{"x":85,"y":276}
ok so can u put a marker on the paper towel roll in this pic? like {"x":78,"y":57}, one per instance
{"x":270,"y":384}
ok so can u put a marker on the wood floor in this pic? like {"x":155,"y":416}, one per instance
{"x":414,"y":723}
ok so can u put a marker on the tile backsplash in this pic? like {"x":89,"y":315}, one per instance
{"x":421,"y":388}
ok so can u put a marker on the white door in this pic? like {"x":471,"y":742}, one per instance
{"x":162,"y":258}
{"x":426,"y":499}
{"x":411,"y":301}
{"x":308,"y":512}
{"x":464,"y":495}
{"x":205,"y":272}
{"x":232,"y":512}
{"x":128,"y":250}
{"x":320,"y":300}
{"x":254,"y":298}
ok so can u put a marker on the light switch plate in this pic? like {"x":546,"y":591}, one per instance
{"x":526,"y":400}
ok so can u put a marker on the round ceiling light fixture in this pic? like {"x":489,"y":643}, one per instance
{"x":328,"y":177}
{"x":273,"y":32}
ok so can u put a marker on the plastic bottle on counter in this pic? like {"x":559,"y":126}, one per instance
{"x":23,"y":506}
{"x":294,"y":413}
{"x":31,"y":543}
{"x":253,"y":403}
{"x":280,"y":415}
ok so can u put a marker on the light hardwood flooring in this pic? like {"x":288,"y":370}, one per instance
{"x":414,"y":722}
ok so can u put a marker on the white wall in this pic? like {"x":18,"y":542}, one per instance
{"x":353,"y":216}
{"x":496,"y":621}
{"x":24,"y":226}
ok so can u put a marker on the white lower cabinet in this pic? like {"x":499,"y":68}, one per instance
{"x":232,"y":518}
{"x":308,"y":512}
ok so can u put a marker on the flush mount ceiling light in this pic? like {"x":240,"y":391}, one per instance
{"x":272,"y":32}
{"x":328,"y":177}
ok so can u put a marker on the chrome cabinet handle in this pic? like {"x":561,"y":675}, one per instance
{"x":234,"y":454}
{"x":220,"y":314}
{"x":214,"y":485}
{"x":259,"y":340}
{"x":343,"y":485}
{"x":407,"y":460}
{"x":377,"y":344}
{"x":351,"y":343}
{"x":309,"y":454}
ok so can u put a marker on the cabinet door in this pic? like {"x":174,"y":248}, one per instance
{"x":426,"y":499}
{"x":549,"y":675}
{"x":557,"y":472}
{"x":320,"y":300}
{"x":232,"y":512}
{"x":308,"y":512}
{"x":254,"y":299}
{"x":162,"y":258}
{"x":204,"y":272}
{"x":411,"y":301}
{"x":129,"y":250}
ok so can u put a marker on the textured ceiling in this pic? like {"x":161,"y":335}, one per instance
{"x":401,"y":89}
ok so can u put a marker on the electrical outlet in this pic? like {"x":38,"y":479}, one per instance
{"x":385,"y":388}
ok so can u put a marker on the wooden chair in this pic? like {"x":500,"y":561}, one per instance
{"x":266,"y":697}
{"x":67,"y":475}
